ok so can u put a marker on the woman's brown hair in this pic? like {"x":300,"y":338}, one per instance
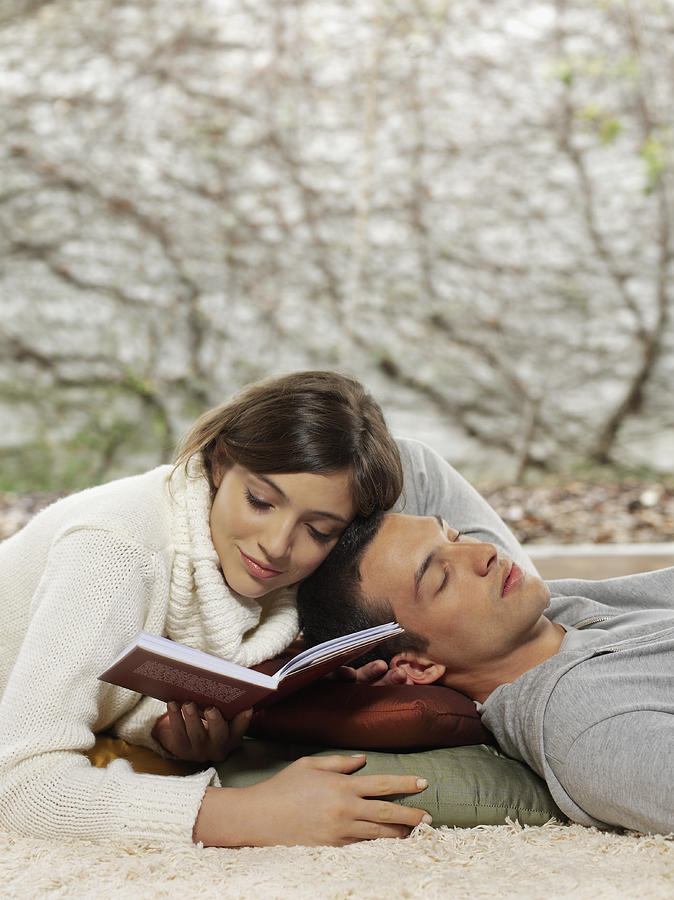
{"x":315,"y":421}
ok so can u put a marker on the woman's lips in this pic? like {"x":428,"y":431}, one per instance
{"x":256,"y":569}
{"x":513,"y":580}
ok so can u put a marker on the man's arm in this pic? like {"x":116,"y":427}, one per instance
{"x":628,"y":593}
{"x":621,"y":771}
{"x":433,"y":487}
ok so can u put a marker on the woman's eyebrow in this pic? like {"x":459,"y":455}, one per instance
{"x":314,"y":512}
{"x":272,"y":484}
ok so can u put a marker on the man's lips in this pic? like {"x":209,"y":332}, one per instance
{"x":256,"y":568}
{"x":513,"y":579}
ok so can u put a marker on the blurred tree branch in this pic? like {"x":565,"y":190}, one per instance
{"x":467,"y":205}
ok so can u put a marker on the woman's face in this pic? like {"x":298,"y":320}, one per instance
{"x":270,"y":531}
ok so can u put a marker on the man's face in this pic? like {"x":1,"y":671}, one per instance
{"x":473,"y":604}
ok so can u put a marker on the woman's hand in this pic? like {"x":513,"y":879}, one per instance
{"x":376,"y":672}
{"x":314,"y":801}
{"x":188,"y":734}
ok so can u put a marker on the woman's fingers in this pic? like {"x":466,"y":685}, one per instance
{"x":386,"y":785}
{"x":177,"y":740}
{"x":196,"y":731}
{"x":376,"y":672}
{"x":218,"y":727}
{"x":334,"y":763}
{"x":367,"y":785}
{"x":385,"y":813}
{"x":191,"y":735}
{"x":392,"y":676}
{"x":212,"y":737}
{"x":391,"y":819}
{"x":370,"y":672}
{"x":224,"y":736}
{"x":238,"y":727}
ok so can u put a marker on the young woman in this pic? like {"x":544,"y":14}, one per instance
{"x":208,"y":553}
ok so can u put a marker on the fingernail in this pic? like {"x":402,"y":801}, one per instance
{"x":211,"y":713}
{"x":426,"y":819}
{"x":358,"y":755}
{"x":422,"y":783}
{"x":189,"y":708}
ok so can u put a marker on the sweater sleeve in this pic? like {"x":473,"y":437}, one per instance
{"x":135,"y":727}
{"x":433,"y":487}
{"x":95,"y":594}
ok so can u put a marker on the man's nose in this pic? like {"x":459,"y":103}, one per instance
{"x":481,"y":554}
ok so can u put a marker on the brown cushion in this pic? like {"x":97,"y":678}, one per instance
{"x":368,"y":717}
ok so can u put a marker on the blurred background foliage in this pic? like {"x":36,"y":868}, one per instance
{"x":467,"y":205}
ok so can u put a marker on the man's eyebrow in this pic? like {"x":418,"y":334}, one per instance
{"x":423,"y":568}
{"x":314,"y":512}
{"x":421,"y":571}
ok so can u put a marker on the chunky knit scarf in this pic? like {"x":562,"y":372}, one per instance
{"x":203,"y":612}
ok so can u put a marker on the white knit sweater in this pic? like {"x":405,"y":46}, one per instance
{"x":76,"y":585}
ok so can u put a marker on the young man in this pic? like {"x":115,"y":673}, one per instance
{"x":574,"y":677}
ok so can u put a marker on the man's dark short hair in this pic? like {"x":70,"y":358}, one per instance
{"x":331,"y":601}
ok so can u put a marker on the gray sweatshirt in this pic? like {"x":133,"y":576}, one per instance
{"x":596,"y":720}
{"x":434,"y":488}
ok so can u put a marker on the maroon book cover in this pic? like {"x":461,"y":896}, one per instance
{"x":161,"y":668}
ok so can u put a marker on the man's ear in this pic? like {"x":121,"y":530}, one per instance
{"x":417,"y":668}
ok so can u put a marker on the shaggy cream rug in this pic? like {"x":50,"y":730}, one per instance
{"x":488,"y":861}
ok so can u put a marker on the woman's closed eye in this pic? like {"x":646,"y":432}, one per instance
{"x":320,"y":536}
{"x":256,"y":502}
{"x":261,"y":505}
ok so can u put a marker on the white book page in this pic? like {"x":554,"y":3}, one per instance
{"x":330,"y":648}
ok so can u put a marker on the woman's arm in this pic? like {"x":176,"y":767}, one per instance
{"x":313,"y":801}
{"x":94,"y":595}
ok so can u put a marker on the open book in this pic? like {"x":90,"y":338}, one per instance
{"x":167,"y":670}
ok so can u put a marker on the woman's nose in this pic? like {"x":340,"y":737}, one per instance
{"x":277,"y":540}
